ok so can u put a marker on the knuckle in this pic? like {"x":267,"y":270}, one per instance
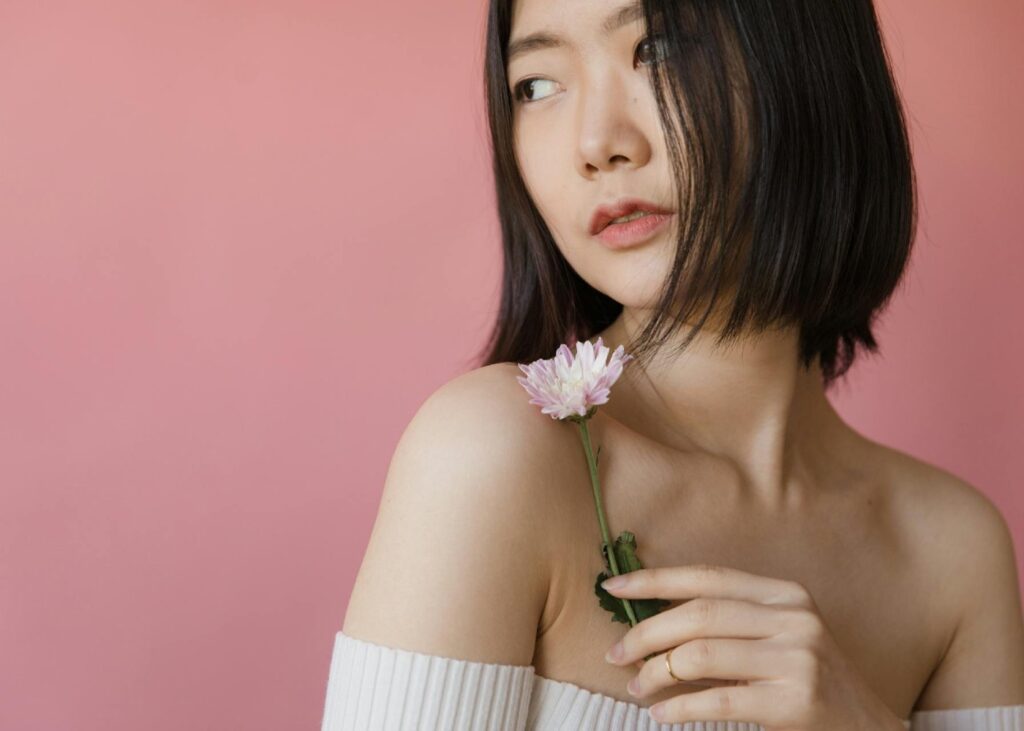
{"x":709,"y":571}
{"x":700,"y":653}
{"x":801,"y":597}
{"x":726,"y":703}
{"x":810,"y":623}
{"x":808,"y":693}
{"x":808,"y":672}
{"x":815,"y":631}
{"x":701,"y":611}
{"x":793,"y":618}
{"x":806,"y":661}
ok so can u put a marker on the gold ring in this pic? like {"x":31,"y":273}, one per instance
{"x":668,"y":665}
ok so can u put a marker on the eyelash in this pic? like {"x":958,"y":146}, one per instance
{"x":518,"y":90}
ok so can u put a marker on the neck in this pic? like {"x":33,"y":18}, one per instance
{"x":748,"y":401}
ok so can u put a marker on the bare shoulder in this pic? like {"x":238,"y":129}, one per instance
{"x":950,"y":522}
{"x":490,"y":397}
{"x":487,"y":414}
{"x":962,"y":552}
{"x":457,"y":561}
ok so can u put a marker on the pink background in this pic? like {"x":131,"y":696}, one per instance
{"x":240,"y":242}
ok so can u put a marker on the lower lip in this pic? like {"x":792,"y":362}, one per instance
{"x":631,"y":233}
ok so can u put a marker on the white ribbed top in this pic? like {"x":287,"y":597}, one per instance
{"x":372,"y":687}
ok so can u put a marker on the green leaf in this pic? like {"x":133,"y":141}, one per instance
{"x":625,"y":556}
{"x":610,"y":603}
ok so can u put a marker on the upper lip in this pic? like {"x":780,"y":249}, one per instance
{"x":606,"y":213}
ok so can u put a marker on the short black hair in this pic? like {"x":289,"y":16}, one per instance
{"x":787,"y":136}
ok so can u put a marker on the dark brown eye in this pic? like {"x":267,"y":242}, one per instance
{"x":651,"y":49}
{"x":521,"y":91}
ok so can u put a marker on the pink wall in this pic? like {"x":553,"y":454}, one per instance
{"x":228,"y":229}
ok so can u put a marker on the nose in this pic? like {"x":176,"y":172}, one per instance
{"x":609,"y":129}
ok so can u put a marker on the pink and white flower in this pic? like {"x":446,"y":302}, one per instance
{"x":567,"y":386}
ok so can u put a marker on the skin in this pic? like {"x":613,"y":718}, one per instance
{"x":763,"y":634}
{"x":588,"y":132}
{"x":853,"y":581}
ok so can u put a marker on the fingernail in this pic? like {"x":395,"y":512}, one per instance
{"x":615,"y":582}
{"x":614,"y":653}
{"x":633,"y":686}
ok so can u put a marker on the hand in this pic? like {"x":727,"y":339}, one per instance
{"x":763,"y":635}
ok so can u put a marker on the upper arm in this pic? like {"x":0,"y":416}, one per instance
{"x":455,"y":564}
{"x":984,"y":661}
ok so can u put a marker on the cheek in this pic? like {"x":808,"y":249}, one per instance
{"x":545,"y":146}
{"x":546,"y":182}
{"x":542,"y":170}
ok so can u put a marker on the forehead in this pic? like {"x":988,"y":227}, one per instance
{"x":556,"y":23}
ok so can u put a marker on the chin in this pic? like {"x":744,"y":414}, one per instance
{"x":634,"y":277}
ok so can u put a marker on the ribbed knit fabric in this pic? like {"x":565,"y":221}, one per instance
{"x":991,"y":718}
{"x":373,"y":687}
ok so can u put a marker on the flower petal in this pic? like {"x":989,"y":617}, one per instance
{"x":571,"y":384}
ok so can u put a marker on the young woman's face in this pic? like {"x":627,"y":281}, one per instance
{"x":587,"y":133}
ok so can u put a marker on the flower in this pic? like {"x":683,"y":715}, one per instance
{"x":565,"y":385}
{"x":571,"y":388}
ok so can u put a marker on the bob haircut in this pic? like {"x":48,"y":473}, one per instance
{"x":796,"y":194}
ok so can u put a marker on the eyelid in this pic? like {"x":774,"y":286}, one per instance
{"x":654,"y":36}
{"x":521,"y":83}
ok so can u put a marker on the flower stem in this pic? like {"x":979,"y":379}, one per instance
{"x":596,"y":484}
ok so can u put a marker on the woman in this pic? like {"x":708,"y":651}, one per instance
{"x":818,"y":579}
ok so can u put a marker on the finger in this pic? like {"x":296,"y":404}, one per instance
{"x":700,"y":683}
{"x":745,"y":703}
{"x":684,"y":582}
{"x":703,"y":617}
{"x":721,"y":659}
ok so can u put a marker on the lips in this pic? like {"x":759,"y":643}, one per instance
{"x":607,"y":213}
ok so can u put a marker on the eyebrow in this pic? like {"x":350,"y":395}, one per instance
{"x":542,"y":39}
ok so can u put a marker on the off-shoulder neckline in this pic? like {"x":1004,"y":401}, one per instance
{"x":607,"y":698}
{"x":636,"y":707}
